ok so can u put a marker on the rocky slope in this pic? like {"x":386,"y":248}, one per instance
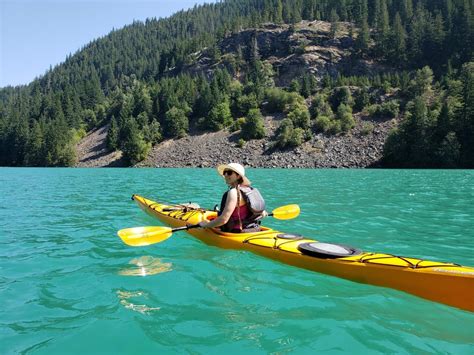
{"x":360,"y":149}
{"x":307,"y":46}
{"x":92,"y":151}
{"x":292,"y":51}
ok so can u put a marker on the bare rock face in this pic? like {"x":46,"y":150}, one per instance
{"x":307,"y":47}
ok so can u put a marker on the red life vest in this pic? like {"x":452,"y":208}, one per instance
{"x":237,"y":217}
{"x":248,"y":220}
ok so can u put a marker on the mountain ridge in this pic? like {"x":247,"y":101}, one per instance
{"x":408,"y":60}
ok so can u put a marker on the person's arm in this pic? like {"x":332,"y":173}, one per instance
{"x":229,"y":207}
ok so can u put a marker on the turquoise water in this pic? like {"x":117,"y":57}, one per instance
{"x":68,"y":285}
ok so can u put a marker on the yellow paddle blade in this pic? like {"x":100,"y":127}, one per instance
{"x":286,"y":212}
{"x":141,"y":236}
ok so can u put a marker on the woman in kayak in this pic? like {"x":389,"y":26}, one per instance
{"x":242,"y":206}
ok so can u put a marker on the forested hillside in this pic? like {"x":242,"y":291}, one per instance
{"x":224,"y":65}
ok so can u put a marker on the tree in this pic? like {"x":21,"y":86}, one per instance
{"x":295,"y":86}
{"x":112,"y":140}
{"x":448,"y":153}
{"x":152,"y":132}
{"x":35,"y":146}
{"x":344,"y":115}
{"x":288,"y":135}
{"x":421,"y":84}
{"x":466,"y":115}
{"x":134,"y":147}
{"x":277,"y":99}
{"x":300,"y":117}
{"x":89,"y":118}
{"x":253,"y":128}
{"x":334,"y":18}
{"x":59,"y":145}
{"x":219,"y":117}
{"x":398,"y":43}
{"x":245,"y":103}
{"x":176,"y":123}
{"x":341,"y":95}
{"x":362,"y":41}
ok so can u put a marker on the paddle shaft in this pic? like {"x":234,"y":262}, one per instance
{"x":184,"y":228}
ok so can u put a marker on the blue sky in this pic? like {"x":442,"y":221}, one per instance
{"x":35,"y":35}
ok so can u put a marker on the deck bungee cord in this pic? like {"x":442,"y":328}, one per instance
{"x":447,"y":283}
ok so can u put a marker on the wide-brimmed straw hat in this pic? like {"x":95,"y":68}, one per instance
{"x":239,"y":169}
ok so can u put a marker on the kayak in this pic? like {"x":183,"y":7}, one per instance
{"x":442,"y":282}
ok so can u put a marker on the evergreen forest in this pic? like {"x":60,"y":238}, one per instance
{"x":137,"y":81}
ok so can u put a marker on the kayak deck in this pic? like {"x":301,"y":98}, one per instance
{"x":446,"y":283}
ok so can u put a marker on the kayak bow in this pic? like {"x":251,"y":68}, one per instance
{"x":446,"y":283}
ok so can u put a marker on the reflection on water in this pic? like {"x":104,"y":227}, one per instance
{"x":146,"y":266}
{"x":125,"y":300}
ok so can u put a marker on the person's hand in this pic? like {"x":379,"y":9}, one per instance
{"x":202,"y":224}
{"x":264,"y":214}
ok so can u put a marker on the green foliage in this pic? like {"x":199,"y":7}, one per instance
{"x":362,"y":99}
{"x":219,"y":117}
{"x":295,"y":100}
{"x":89,"y":118}
{"x":237,"y":124}
{"x":77,"y":135}
{"x":245,"y":103}
{"x":421,"y":84}
{"x":175,"y":123}
{"x":112,"y":140}
{"x":295,"y":86}
{"x":152,"y":132}
{"x":308,"y":85}
{"x":320,"y":107}
{"x":341,"y":122}
{"x":449,"y":151}
{"x":363,"y":38}
{"x":389,"y":109}
{"x":241,"y":143}
{"x":299,"y":115}
{"x":253,"y":128}
{"x":58,"y":145}
{"x":289,"y":136}
{"x":344,"y":115}
{"x":137,"y":73}
{"x":323,"y":123}
{"x":367,"y":128}
{"x":277,"y":99}
{"x":134,"y":147}
{"x":341,"y":95}
{"x":334,"y":18}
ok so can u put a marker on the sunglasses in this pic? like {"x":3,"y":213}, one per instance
{"x":228,"y":172}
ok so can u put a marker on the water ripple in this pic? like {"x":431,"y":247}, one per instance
{"x":65,"y":276}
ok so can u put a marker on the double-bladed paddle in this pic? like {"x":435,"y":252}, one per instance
{"x":141,"y":236}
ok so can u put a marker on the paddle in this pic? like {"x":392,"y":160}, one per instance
{"x":141,"y":236}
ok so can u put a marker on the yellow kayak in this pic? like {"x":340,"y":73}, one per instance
{"x":442,"y":282}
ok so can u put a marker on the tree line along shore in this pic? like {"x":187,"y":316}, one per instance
{"x":324,"y":70}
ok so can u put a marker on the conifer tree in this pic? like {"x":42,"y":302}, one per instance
{"x":134,"y":147}
{"x":362,"y":41}
{"x":334,"y":18}
{"x":112,"y":140}
{"x":397,"y":43}
{"x":467,"y":115}
{"x":253,"y":128}
{"x":176,"y":123}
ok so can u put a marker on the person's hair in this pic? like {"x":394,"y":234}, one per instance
{"x":241,"y":180}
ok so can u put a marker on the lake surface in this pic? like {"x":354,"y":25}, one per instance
{"x":68,"y":285}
